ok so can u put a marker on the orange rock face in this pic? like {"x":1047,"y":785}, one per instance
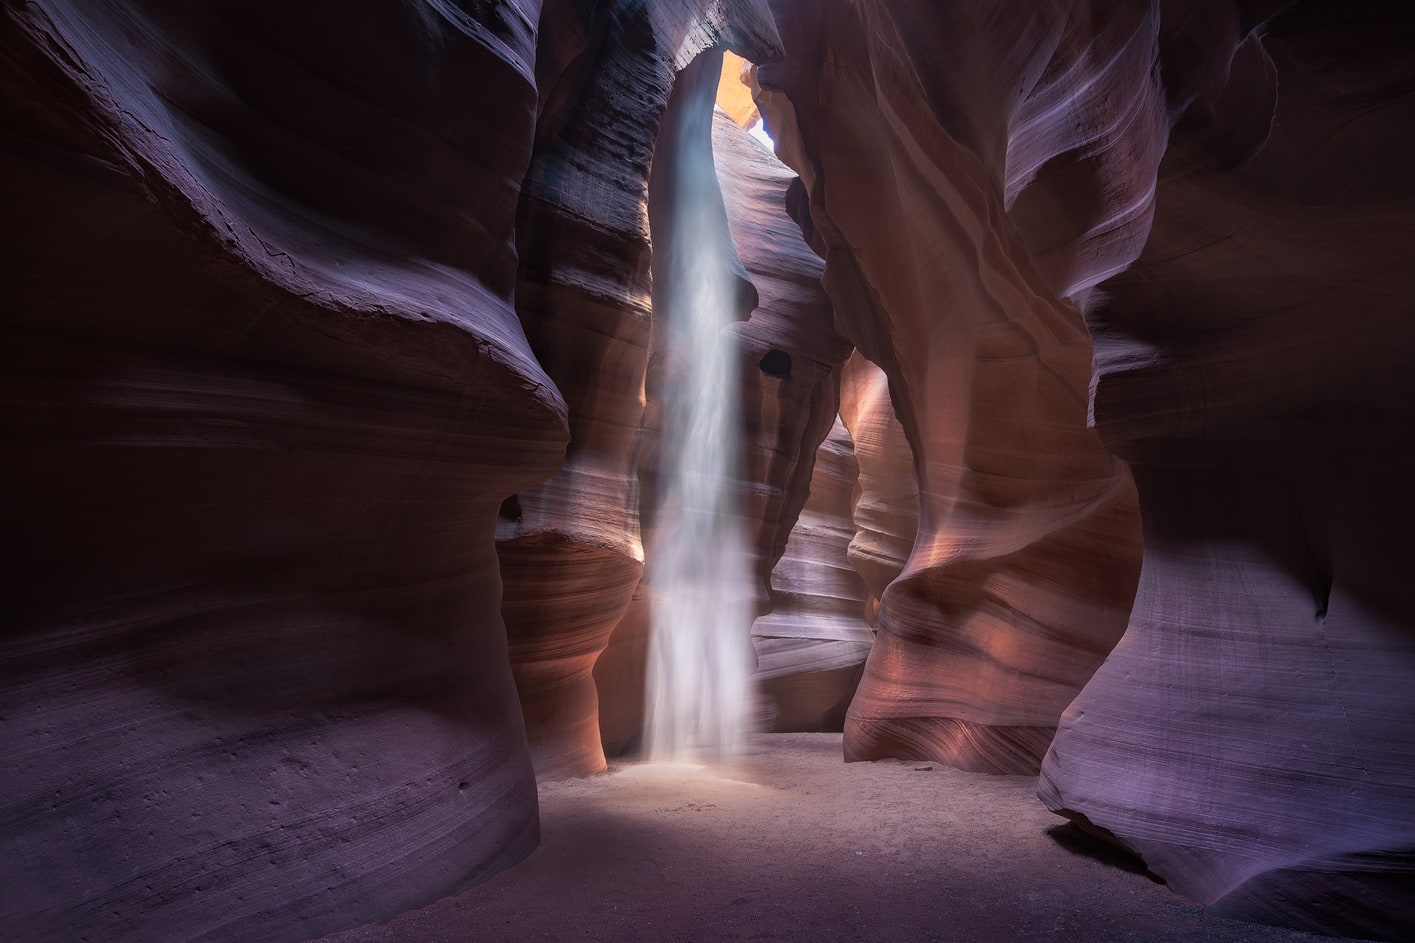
{"x":1219,"y":191}
{"x":1027,"y":550}
{"x":797,"y":468}
{"x":332,"y":358}
{"x":571,"y":550}
{"x":791,"y":354}
{"x":886,"y":510}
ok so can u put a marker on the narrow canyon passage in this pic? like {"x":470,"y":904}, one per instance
{"x":1057,"y":391}
{"x":794,"y":845}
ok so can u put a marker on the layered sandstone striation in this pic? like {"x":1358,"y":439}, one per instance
{"x":331,"y":366}
{"x":571,"y":550}
{"x":919,"y":130}
{"x":267,"y":394}
{"x":674,"y":125}
{"x":810,"y":639}
{"x":886,"y":509}
{"x":264,"y":392}
{"x":811,"y":646}
{"x":790,"y":353}
{"x":1249,"y":737}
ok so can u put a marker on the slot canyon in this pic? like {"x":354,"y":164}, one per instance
{"x":1063,"y":415}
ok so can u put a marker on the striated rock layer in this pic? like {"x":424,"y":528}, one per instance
{"x":264,"y":390}
{"x":811,"y":647}
{"x":267,"y":397}
{"x":810,"y":639}
{"x":571,"y":553}
{"x":921,"y":132}
{"x":791,"y":355}
{"x":886,"y":511}
{"x":1250,"y":736}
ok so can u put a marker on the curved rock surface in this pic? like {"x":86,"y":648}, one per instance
{"x":886,"y":512}
{"x":307,"y":304}
{"x":267,"y":392}
{"x":1249,"y":736}
{"x":264,"y":390}
{"x":916,"y":129}
{"x":570,"y":549}
{"x":791,"y":354}
{"x":811,"y":647}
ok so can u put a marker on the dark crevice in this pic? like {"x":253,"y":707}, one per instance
{"x":776,"y":363}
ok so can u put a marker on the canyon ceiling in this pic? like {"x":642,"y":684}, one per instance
{"x":1077,"y":412}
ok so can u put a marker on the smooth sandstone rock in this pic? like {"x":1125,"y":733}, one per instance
{"x":789,"y":368}
{"x":1248,"y":737}
{"x":790,"y":353}
{"x":571,"y":550}
{"x":811,"y":647}
{"x":886,"y":512}
{"x":299,"y":297}
{"x":269,"y":392}
{"x":264,"y":390}
{"x":682,"y":171}
{"x":902,"y":119}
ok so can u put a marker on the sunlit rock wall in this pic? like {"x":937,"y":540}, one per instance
{"x":791,"y":355}
{"x":571,"y":551}
{"x":681,"y":157}
{"x":811,"y":633}
{"x":1250,"y":735}
{"x":886,"y":511}
{"x":918,"y":130}
{"x":264,"y":390}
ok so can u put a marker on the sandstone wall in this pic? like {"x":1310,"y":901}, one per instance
{"x":1218,"y":190}
{"x":264,"y":391}
{"x":921,"y":132}
{"x":571,"y":550}
{"x":267,"y":394}
{"x":1248,"y":736}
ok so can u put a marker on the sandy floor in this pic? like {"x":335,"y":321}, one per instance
{"x":796,"y":845}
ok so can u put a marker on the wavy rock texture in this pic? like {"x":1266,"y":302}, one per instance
{"x":886,"y":512}
{"x":264,"y":390}
{"x":916,"y":127}
{"x":1249,"y":736}
{"x":810,"y":639}
{"x":811,"y":647}
{"x":791,"y":355}
{"x":571,"y":550}
{"x":633,"y":142}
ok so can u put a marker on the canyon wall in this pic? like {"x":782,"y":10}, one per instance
{"x":273,"y":375}
{"x":928,"y":140}
{"x":788,"y":357}
{"x":1218,"y":191}
{"x":810,"y":638}
{"x":1249,"y":736}
{"x":331,"y":371}
{"x":264,"y":391}
{"x":571,"y":551}
{"x":886,"y":510}
{"x":812,"y":644}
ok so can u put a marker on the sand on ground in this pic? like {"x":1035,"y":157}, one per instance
{"x":792,"y":844}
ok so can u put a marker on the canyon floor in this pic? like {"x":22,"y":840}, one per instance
{"x":792,"y":844}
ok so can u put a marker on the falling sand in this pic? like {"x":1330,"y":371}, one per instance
{"x":791,"y":844}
